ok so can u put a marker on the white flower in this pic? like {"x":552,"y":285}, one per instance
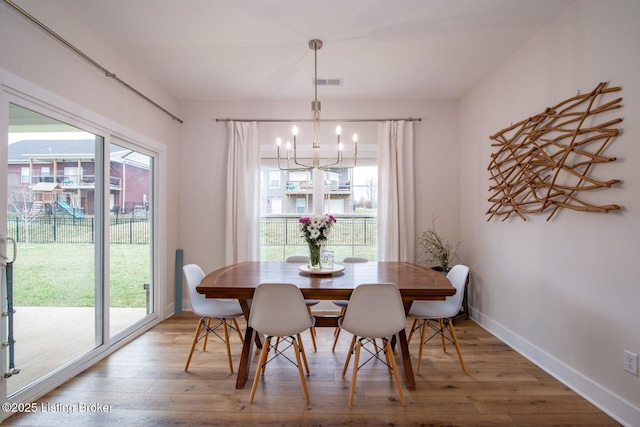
{"x":315,"y":229}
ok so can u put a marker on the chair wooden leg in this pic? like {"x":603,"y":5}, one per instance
{"x":346,"y":362}
{"x":455,"y":342}
{"x":441,"y":323}
{"x":193,"y":345}
{"x":226,"y":341}
{"x":422,"y":338}
{"x":304,"y":355}
{"x":302,"y":380}
{"x":206,"y":337}
{"x":260,"y":368}
{"x":395,"y":372}
{"x":356,"y":362}
{"x":387,"y":355}
{"x":336,"y":331}
{"x":235,"y":323}
{"x":312,"y":331}
{"x":335,"y":340}
{"x":413,"y":328}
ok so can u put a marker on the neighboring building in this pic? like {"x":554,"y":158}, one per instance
{"x":59,"y":176}
{"x":292,"y":191}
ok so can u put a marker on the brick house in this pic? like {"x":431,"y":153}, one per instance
{"x":59,"y":176}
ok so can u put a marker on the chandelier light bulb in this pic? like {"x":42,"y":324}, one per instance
{"x":294,"y":130}
{"x":355,"y":138}
{"x":338,"y":130}
{"x":278,"y":142}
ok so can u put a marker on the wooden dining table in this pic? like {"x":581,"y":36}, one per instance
{"x":240,"y":280}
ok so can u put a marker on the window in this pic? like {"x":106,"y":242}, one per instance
{"x":24,"y":175}
{"x":350,"y":194}
{"x":274,"y":179}
{"x":301,"y":205}
{"x":72,"y":175}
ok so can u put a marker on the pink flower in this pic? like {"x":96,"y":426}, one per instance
{"x":305,"y":220}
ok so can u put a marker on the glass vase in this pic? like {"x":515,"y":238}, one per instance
{"x":314,"y":255}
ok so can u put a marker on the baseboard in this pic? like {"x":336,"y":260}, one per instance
{"x":617,"y":408}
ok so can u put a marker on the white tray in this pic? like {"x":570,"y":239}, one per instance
{"x":336,"y":269}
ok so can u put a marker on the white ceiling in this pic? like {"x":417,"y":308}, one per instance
{"x":258,"y":49}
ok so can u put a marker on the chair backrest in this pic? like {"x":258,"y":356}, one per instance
{"x":278,"y":309}
{"x":297,"y":258}
{"x":375,"y":311}
{"x":354,"y":259}
{"x":194,"y":275}
{"x":458,"y":276}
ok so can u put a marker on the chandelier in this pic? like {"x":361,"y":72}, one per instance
{"x":295,"y":163}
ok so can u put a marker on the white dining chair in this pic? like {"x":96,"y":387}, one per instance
{"x":375,"y":311}
{"x":278,"y":310}
{"x":425,"y":313}
{"x":309,"y":302}
{"x":210,"y":308}
{"x":343,"y":303}
{"x":297,"y":258}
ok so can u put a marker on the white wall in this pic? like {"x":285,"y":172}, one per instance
{"x":33,"y":62}
{"x":565,"y":292}
{"x":203,"y":184}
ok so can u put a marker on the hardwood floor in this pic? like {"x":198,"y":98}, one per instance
{"x":144,"y":384}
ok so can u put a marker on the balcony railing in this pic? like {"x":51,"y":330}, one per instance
{"x":73,"y":180}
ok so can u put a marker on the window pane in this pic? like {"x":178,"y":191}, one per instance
{"x":349,"y":193}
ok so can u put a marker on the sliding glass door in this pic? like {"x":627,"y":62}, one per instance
{"x":76,"y":229}
{"x":53,"y":219}
{"x":130,"y":245}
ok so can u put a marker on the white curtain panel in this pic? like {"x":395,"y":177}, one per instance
{"x":243,"y":193}
{"x":396,"y":213}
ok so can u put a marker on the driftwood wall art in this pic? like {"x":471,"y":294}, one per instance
{"x":543,"y":163}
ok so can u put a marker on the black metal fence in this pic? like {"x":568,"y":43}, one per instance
{"x":59,"y":229}
{"x":347,"y":231}
{"x":276,"y":230}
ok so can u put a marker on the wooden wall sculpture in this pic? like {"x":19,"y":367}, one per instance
{"x":544,"y":162}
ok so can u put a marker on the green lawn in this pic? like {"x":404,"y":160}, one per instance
{"x":280,"y":253}
{"x":63,"y":275}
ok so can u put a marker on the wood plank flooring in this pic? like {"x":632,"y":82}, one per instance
{"x":144,"y":384}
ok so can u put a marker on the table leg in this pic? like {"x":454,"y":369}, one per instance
{"x":247,"y":346}
{"x":245,"y":357}
{"x":409,"y":379}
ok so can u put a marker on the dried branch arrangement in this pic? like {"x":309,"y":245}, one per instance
{"x":544,"y":162}
{"x":437,"y":250}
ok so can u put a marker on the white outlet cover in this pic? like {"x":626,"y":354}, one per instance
{"x":631,"y":362}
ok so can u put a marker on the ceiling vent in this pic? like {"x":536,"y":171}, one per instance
{"x":328,"y":82}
